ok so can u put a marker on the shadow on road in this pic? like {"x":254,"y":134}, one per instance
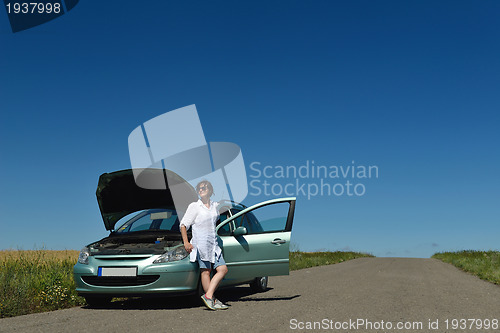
{"x":234,"y":294}
{"x":149,"y":303}
{"x":245,"y":294}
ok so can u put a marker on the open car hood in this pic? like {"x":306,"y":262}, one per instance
{"x":118,"y":194}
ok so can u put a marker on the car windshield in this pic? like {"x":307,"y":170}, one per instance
{"x":151,"y":220}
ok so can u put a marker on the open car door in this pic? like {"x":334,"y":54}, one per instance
{"x":256,"y":240}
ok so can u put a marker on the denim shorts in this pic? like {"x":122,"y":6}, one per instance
{"x":208,"y":265}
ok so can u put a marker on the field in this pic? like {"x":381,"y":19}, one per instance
{"x":41,"y":280}
{"x":483,"y":264}
{"x":37,"y":281}
{"x":299,"y":260}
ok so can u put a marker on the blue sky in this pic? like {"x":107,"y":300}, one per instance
{"x":411,"y":87}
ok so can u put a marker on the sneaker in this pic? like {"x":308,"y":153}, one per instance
{"x":209,"y":302}
{"x":219,"y":305}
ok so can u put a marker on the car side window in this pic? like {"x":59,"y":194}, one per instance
{"x":270,"y":218}
{"x":239,"y":221}
{"x":225,"y":230}
{"x":249,"y":221}
{"x":253,"y":226}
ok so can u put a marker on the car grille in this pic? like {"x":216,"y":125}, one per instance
{"x":120,"y":281}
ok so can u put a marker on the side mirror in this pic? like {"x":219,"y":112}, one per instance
{"x":240,"y":231}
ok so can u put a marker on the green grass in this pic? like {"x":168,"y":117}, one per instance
{"x":299,"y":260}
{"x":42,"y":280}
{"x":483,"y":264}
{"x":36,"y":281}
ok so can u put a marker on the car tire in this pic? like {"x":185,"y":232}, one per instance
{"x":259,"y":284}
{"x":97,"y":301}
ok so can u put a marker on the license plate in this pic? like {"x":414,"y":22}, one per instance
{"x":117,"y":271}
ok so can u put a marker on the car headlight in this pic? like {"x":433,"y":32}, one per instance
{"x":83,"y":258}
{"x":176,"y":254}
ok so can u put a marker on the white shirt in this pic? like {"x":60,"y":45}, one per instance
{"x":202,"y":220}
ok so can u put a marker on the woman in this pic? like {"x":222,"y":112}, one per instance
{"x":202,"y":216}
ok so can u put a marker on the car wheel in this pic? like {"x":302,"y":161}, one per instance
{"x":259,"y":284}
{"x":97,"y":301}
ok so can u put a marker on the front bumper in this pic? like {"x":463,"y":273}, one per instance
{"x":166,"y":278}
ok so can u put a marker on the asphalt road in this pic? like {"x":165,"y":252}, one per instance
{"x":354,"y":294}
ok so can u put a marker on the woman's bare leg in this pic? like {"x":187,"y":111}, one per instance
{"x":205,"y":279}
{"x":216,"y":279}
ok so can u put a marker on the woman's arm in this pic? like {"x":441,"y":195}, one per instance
{"x":186,"y":222}
{"x":188,"y":246}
